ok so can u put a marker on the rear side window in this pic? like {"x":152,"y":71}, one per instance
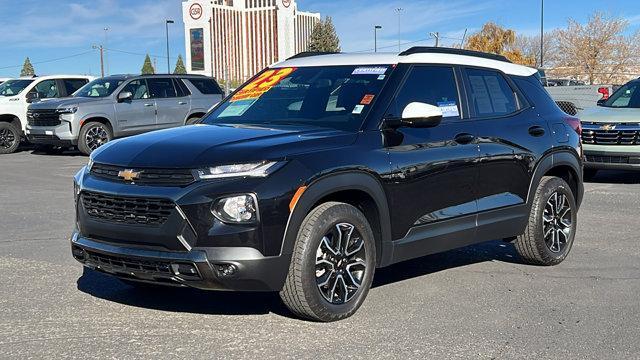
{"x":434,"y":85}
{"x":490,"y":94}
{"x":206,"y":86}
{"x":161,"y":88}
{"x":181,"y":88}
{"x":72,"y":85}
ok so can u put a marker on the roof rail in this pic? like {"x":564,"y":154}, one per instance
{"x":451,"y":51}
{"x":305,"y":54}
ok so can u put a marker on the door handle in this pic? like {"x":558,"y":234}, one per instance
{"x":182,"y":103}
{"x":536,"y":131}
{"x":464,"y":138}
{"x":148,"y":104}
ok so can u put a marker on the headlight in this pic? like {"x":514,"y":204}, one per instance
{"x":239,"y":209}
{"x":67,"y":110}
{"x":257,"y":169}
{"x":90,"y":164}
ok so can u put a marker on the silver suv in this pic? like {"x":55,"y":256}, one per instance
{"x":117,"y":106}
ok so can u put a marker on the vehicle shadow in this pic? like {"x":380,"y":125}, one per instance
{"x":616,"y":177}
{"x":259,"y":303}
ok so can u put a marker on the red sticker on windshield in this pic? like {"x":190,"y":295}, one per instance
{"x":262,"y":84}
{"x":367,"y":99}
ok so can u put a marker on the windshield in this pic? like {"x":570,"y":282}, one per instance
{"x":13,"y":87}
{"x":337,"y":97}
{"x":627,"y":96}
{"x":99,"y":88}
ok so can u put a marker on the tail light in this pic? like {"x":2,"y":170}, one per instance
{"x":604,"y":91}
{"x":574,"y":123}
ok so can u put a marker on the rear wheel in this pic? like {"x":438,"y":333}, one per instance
{"x":332,"y":265}
{"x":551,"y":230}
{"x":92,"y":136}
{"x":192,"y":120}
{"x":9,"y":138}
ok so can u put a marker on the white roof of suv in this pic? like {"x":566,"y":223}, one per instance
{"x":410,"y":58}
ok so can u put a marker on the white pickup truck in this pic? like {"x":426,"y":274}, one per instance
{"x":574,"y":98}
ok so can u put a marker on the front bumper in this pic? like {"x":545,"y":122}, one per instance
{"x":605,"y":158}
{"x":201,"y":268}
{"x":59,"y":135}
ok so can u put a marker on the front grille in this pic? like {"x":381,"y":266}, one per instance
{"x":127,"y":210}
{"x":43,"y":117}
{"x":128,"y":265}
{"x":153,"y":177}
{"x":606,"y":159}
{"x":611,"y":134}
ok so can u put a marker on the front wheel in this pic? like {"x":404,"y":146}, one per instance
{"x":332,"y":264}
{"x":9,"y":138}
{"x":551,"y":230}
{"x":92,"y":136}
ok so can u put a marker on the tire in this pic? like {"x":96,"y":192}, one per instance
{"x":589,"y":174}
{"x":9,"y":138}
{"x":533,"y":246}
{"x":92,"y":136}
{"x":192,"y":120}
{"x":304,"y":293}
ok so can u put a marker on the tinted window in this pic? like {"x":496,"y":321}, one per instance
{"x":161,"y":88}
{"x":181,"y":88}
{"x":138,"y":88}
{"x":490,"y":94}
{"x":47,"y":89}
{"x":100,"y":87}
{"x":434,"y":85}
{"x":627,"y":96}
{"x":206,"y":86}
{"x":13,"y":87}
{"x":72,"y":85}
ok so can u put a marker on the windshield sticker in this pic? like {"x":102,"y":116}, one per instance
{"x":237,"y":108}
{"x":358,"y":109}
{"x":367,"y":99}
{"x":262,"y":84}
{"x":449,"y":108}
{"x":381,"y":77}
{"x":370,"y":70}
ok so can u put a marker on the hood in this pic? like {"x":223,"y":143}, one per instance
{"x":64,"y":102}
{"x":207,"y":145}
{"x":609,"y":115}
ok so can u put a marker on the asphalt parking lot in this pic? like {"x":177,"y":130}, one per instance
{"x":477,"y":302}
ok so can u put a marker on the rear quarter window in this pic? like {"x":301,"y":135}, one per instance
{"x":535,"y":93}
{"x":206,"y":86}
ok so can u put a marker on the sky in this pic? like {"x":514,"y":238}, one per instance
{"x":58,"y":35}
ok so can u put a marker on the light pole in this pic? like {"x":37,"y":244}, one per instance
{"x":106,"y":48}
{"x":375,"y":37}
{"x":435,"y":35}
{"x":166,"y":25}
{"x":542,"y":34}
{"x":399,"y":12}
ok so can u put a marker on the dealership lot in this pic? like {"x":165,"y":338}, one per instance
{"x":476,"y":302}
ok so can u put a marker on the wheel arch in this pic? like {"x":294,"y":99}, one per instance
{"x":564,"y":164}
{"x":357,"y":188}
{"x":10,"y":118}
{"x":96,"y":118}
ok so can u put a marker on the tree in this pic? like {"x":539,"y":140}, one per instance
{"x":598,"y":51}
{"x":27,"y":68}
{"x":180,"y":68}
{"x":324,"y":37}
{"x":493,"y":38}
{"x":147,"y":67}
{"x":530,"y":48}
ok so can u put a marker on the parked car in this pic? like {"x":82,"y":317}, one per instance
{"x":573,"y":96}
{"x":323,"y":168}
{"x":17,"y":94}
{"x":611,"y":131}
{"x":118,"y":106}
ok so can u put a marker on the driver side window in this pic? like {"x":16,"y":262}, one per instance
{"x":138,"y":88}
{"x":433,"y":85}
{"x":46,"y":89}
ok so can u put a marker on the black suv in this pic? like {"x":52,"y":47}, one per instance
{"x":323,"y":168}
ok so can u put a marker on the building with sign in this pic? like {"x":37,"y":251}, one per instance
{"x":234,"y":39}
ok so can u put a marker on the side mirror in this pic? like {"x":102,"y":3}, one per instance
{"x":31,"y":97}
{"x":125,"y":96}
{"x":417,"y":115}
{"x":601,"y":102}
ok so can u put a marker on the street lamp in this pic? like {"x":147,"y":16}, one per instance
{"x":375,"y":37}
{"x":167,"y":22}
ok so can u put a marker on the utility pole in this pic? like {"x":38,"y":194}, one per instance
{"x":542,"y":34}
{"x":166,"y":25}
{"x":375,"y":37}
{"x":436,"y":35}
{"x":399,"y":12}
{"x":106,"y":45}
{"x":464,"y":37}
{"x":99,"y":47}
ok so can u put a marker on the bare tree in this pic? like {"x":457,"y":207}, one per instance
{"x":598,"y":51}
{"x":530,"y":48}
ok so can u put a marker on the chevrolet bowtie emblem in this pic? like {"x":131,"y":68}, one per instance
{"x":608,"y":127}
{"x":129,"y":175}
